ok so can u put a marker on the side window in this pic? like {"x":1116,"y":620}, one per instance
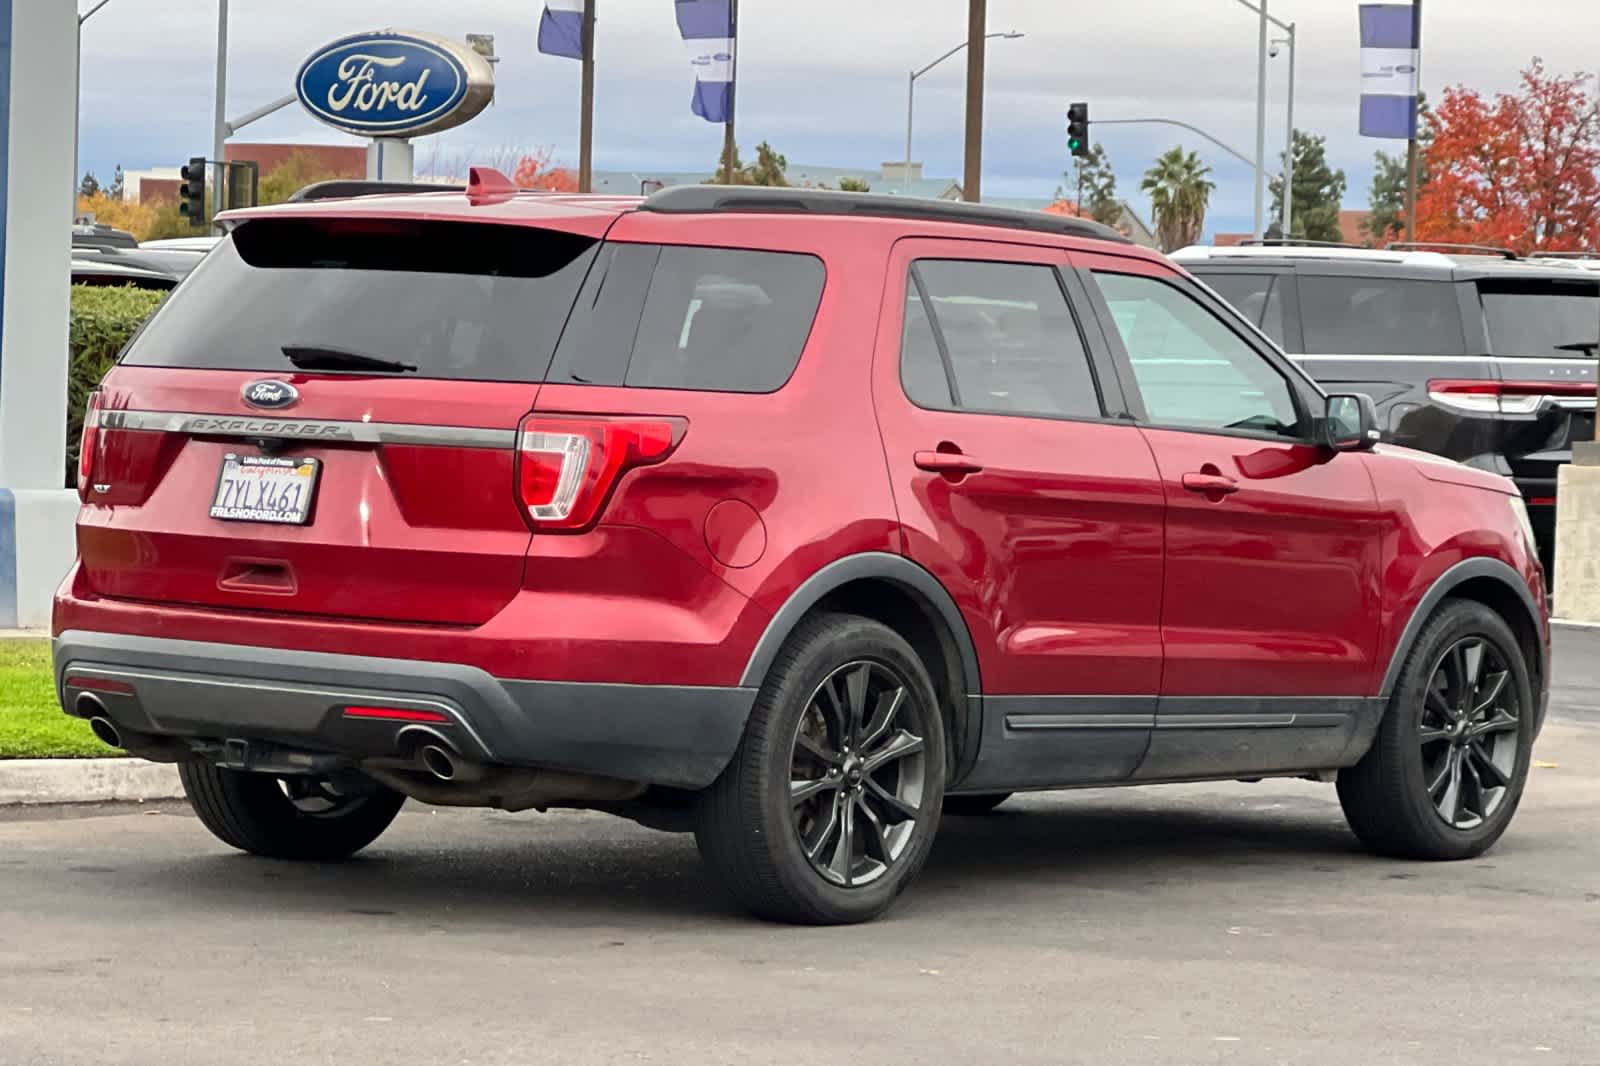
{"x":994,"y":337}
{"x":1380,"y":316}
{"x":1191,"y":369}
{"x":721,"y":320}
{"x":1258,"y":297}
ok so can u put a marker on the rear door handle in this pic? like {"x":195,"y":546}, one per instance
{"x":1210,"y":484}
{"x":949,"y":463}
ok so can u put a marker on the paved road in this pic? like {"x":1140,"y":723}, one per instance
{"x":1217,"y":924}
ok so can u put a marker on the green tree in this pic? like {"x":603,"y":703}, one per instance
{"x":1318,"y":193}
{"x":1180,"y":188}
{"x":292,"y":175}
{"x":848,"y":184}
{"x":88,"y":186}
{"x":769,"y":167}
{"x":115,"y":191}
{"x":1099,"y":184}
{"x":1388,"y":195}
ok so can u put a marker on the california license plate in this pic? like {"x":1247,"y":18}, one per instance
{"x":265,"y":488}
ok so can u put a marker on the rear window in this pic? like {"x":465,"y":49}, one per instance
{"x":1546,"y":319}
{"x":455,"y":300}
{"x":1380,"y":316}
{"x":681,"y":317}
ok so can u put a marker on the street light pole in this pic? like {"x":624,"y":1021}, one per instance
{"x":77,"y":98}
{"x":1261,"y":125}
{"x":911,"y":91}
{"x":219,"y":127}
{"x":1288,"y":152}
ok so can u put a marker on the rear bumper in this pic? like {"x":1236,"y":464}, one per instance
{"x":680,"y":736}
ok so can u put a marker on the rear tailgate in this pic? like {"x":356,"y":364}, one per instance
{"x":406,"y":475}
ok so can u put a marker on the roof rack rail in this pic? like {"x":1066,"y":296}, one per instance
{"x":1296,"y":242}
{"x":1447,"y":246}
{"x":1565,"y":255}
{"x":343,"y":189}
{"x":715,"y":199}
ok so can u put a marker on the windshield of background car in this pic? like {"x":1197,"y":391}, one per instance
{"x":1346,"y":315}
{"x":1547,"y":318}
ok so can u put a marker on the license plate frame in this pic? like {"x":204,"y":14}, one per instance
{"x":304,"y":473}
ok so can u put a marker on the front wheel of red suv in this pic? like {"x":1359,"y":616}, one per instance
{"x":1446,"y":772}
{"x":297,"y":817}
{"x":830,"y":805}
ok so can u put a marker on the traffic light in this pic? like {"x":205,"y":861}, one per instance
{"x":192,"y":193}
{"x":1078,"y":129}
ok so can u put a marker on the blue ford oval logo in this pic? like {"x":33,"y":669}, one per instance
{"x":395,"y":84}
{"x":271,"y":395}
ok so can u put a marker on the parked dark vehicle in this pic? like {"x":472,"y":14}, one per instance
{"x":1482,"y":358}
{"x":795,"y":519}
{"x":159,"y":265}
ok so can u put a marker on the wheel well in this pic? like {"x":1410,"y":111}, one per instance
{"x":909,"y":614}
{"x":1502,"y":600}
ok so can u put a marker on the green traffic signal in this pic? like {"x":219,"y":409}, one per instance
{"x":1078,"y":129}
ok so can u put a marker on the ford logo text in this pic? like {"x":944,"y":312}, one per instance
{"x":394,"y":84}
{"x":271,"y":395}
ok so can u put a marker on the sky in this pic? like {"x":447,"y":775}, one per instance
{"x":824,"y":81}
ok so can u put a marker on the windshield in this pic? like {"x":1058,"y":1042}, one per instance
{"x":1547,"y":319}
{"x":454,"y":300}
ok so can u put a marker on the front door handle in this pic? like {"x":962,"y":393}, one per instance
{"x":950,"y":464}
{"x":1210,"y":484}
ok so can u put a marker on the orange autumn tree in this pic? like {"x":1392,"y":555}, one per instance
{"x":1520,"y":171}
{"x":536,"y":172}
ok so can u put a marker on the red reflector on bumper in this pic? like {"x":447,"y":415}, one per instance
{"x":1541,"y":501}
{"x":98,"y":684}
{"x":397,"y":714}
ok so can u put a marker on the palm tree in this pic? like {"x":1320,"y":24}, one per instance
{"x":1180,"y":188}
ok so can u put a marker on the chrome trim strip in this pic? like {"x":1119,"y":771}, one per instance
{"x":250,"y":426}
{"x":1029,"y":722}
{"x":1251,"y":721}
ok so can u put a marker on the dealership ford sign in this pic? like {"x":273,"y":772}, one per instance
{"x":395,"y":84}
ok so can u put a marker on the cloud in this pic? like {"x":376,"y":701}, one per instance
{"x":825,"y":80}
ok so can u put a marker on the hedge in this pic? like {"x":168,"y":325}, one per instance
{"x":103,"y":318}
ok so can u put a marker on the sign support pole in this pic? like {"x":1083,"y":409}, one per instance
{"x":729,"y":144}
{"x":1413,"y":162}
{"x":586,"y":123}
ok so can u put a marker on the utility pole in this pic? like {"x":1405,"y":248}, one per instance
{"x":1412,"y":160}
{"x":1288,"y":152}
{"x":220,"y":128}
{"x":586,"y":123}
{"x":1261,"y":127}
{"x":729,"y":143}
{"x":977,"y":26}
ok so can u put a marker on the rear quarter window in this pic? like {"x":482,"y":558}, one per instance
{"x":681,"y":317}
{"x":1542,"y":318}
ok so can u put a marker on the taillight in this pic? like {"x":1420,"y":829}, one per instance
{"x":89,"y":445}
{"x":1511,"y":397}
{"x":567,"y":465}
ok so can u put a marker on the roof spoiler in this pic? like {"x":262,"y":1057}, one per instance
{"x":342,"y":189}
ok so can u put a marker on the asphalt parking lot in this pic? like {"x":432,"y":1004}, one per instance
{"x":1227,"y":924}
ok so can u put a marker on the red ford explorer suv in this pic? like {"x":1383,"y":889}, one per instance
{"x":790,"y":518}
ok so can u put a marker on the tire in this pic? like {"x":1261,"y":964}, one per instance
{"x":254,"y":813}
{"x":1396,"y":796}
{"x":975,"y":805}
{"x":756,"y":837}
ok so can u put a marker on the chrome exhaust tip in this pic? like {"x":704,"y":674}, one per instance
{"x":439,"y":761}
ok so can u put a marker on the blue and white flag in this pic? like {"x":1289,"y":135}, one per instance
{"x":708,"y":31}
{"x":561,"y":28}
{"x":1390,"y":59}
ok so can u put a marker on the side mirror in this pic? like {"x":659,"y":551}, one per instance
{"x":1351,"y":424}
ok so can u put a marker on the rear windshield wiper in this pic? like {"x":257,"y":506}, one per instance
{"x":1587,"y":347}
{"x":328,"y":357}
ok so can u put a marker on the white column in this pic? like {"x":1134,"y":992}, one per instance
{"x":390,"y":159}
{"x":36,"y":541}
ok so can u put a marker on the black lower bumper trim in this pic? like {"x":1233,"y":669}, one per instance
{"x":680,"y":736}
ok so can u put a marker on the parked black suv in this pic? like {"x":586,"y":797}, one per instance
{"x":1483,"y":358}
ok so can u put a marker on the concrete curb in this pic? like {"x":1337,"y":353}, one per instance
{"x":86,"y":781}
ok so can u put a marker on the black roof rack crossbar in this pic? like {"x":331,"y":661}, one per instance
{"x":1295,"y":242}
{"x":716,"y":199}
{"x":343,"y":189}
{"x":1447,"y":246}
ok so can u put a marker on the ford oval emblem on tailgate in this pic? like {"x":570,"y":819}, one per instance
{"x":271,"y":395}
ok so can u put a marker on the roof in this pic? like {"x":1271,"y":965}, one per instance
{"x":592,"y":214}
{"x":1419,"y":261}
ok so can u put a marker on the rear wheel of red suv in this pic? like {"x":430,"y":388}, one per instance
{"x":829,"y":807}
{"x":297,"y":817}
{"x":1446,"y":772}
